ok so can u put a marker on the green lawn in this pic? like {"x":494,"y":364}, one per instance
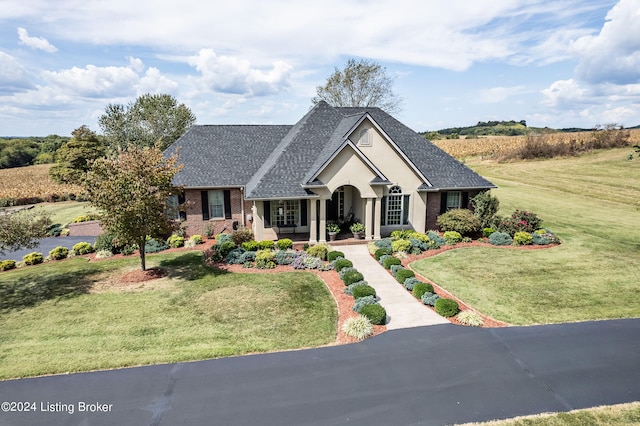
{"x":592,"y":203}
{"x":614,"y":415}
{"x":71,"y":319}
{"x":64,"y":212}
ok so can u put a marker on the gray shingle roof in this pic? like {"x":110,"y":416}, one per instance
{"x":275,"y":161}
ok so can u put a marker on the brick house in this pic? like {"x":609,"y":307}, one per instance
{"x":334,"y":165}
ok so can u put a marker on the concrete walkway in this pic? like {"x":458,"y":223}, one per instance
{"x":403,"y":310}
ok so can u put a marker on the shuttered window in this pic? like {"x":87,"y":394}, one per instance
{"x":396,"y":209}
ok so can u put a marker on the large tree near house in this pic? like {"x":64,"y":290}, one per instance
{"x":131,"y":191}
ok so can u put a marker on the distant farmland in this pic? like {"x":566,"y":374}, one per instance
{"x":32,"y":184}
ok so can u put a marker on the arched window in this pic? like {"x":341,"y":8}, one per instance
{"x":397,"y":207}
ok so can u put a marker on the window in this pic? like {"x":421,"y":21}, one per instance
{"x":364,"y":138}
{"x":216,"y":204}
{"x":453,"y":200}
{"x":285,"y":211}
{"x":172,"y":209}
{"x":397,"y":207}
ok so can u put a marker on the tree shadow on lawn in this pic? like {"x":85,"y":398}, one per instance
{"x":28,"y":291}
{"x":189,"y":266}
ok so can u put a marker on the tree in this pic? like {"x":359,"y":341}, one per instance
{"x":21,"y":230}
{"x":362,"y":83}
{"x":17,"y":152}
{"x":76,"y":156}
{"x":131,"y":191}
{"x":152,"y":120}
{"x":485,"y":208}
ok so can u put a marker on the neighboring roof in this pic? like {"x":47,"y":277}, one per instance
{"x":276,"y":161}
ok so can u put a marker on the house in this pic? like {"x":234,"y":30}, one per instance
{"x":332,"y":165}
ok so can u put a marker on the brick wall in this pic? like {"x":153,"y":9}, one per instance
{"x":195,"y":224}
{"x":433,"y":207}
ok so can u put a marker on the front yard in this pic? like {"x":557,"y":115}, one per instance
{"x":90,"y":321}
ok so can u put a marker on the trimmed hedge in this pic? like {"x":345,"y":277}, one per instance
{"x":284,"y":244}
{"x":352,"y":277}
{"x":375,"y":313}
{"x":381,"y":251}
{"x":422,"y":288}
{"x":391,"y":261}
{"x":362,"y":291}
{"x":500,"y":239}
{"x":59,"y":253}
{"x":333,"y":255}
{"x":409,"y":283}
{"x":5,"y":265}
{"x":33,"y":258}
{"x":83,"y":248}
{"x":429,"y":298}
{"x":340,"y":264}
{"x":363,"y":301}
{"x":403,"y":274}
{"x":446,"y":307}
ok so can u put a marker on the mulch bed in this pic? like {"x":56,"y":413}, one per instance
{"x":139,"y":275}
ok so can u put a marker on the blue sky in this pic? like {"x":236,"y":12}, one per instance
{"x":556,"y":63}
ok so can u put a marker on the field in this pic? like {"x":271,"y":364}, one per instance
{"x":73,"y":315}
{"x":592,"y":202}
{"x":24,"y":183}
{"x":498,"y":147}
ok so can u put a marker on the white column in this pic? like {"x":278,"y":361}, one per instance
{"x":323,"y":221}
{"x":377,"y":219}
{"x":368,"y":214}
{"x":258,"y":220}
{"x":313,"y":225}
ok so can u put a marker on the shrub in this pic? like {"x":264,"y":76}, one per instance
{"x":418,"y":245}
{"x":33,"y":258}
{"x":248,"y":257}
{"x":234,"y":257}
{"x":319,"y":250}
{"x":520,"y":220}
{"x":284,"y":244}
{"x":410,"y":282}
{"x":153,"y":245}
{"x":421,"y":288}
{"x":251,"y":245}
{"x":266,"y":245}
{"x":349,"y":289}
{"x":334,"y":255}
{"x":209,"y":231}
{"x":400,"y":234}
{"x":54,"y":230}
{"x":59,"y":253}
{"x":452,"y":237}
{"x":383,"y":258}
{"x":401,"y":245}
{"x":375,"y":313}
{"x":470,"y":318}
{"x":461,"y":221}
{"x":402,"y":275}
{"x":197,"y":239}
{"x":540,"y":240}
{"x":486,"y":232}
{"x":175,"y":241}
{"x":5,"y":265}
{"x":264,"y":258}
{"x":306,"y":261}
{"x":363,"y":301}
{"x":500,"y":239}
{"x":383,"y":243}
{"x":391,"y":261}
{"x":435,"y":240}
{"x":223,"y":238}
{"x":84,"y":218}
{"x":395,"y":268}
{"x":82,"y":248}
{"x":522,"y":238}
{"x":345,"y":271}
{"x":446,"y":307}
{"x":429,"y":298}
{"x":285,"y":257}
{"x":189,"y":243}
{"x":380,"y":252}
{"x":362,"y":291}
{"x":241,"y":235}
{"x":358,"y":327}
{"x":128,"y":249}
{"x":103,"y":254}
{"x":485,"y":208}
{"x":352,"y":277}
{"x":108,"y":241}
{"x":225,"y":248}
{"x":342,"y":263}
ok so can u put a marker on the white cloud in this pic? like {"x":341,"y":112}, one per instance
{"x":228,"y":74}
{"x":93,"y":81}
{"x":39,"y":43}
{"x":136,"y":64}
{"x":154,"y":82}
{"x":564,"y":93}
{"x":500,"y":94}
{"x":13,"y":76}
{"x":614,"y":54}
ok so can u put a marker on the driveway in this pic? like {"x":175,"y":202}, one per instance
{"x":46,"y":245}
{"x":432,"y":375}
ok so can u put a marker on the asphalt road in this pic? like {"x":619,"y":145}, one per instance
{"x":46,"y":245}
{"x":432,"y":375}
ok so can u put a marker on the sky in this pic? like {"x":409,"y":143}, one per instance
{"x":554,"y":63}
